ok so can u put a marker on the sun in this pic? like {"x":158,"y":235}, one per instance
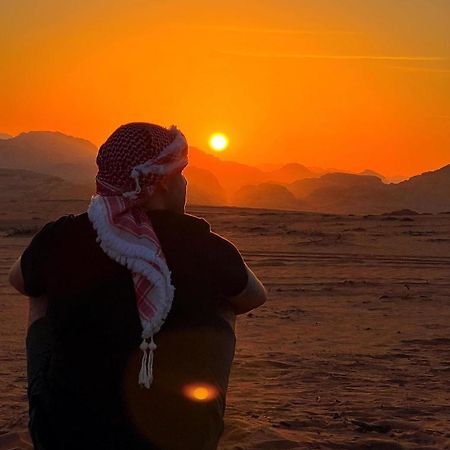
{"x":218,"y":142}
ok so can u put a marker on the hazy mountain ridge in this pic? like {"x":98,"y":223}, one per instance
{"x":376,"y":174}
{"x":52,"y":153}
{"x":73,"y":159}
{"x":343,"y":193}
{"x":204,"y":188}
{"x":213,"y":181}
{"x":289,"y":173}
{"x":19,"y":184}
{"x":230,"y":174}
{"x":265,"y":195}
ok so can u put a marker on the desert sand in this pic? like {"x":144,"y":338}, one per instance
{"x":351,"y":351}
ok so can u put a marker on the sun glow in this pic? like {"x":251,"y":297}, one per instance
{"x":218,"y":142}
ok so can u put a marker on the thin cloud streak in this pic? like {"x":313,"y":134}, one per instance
{"x":339,"y":57}
{"x":420,"y":69}
{"x":268,"y":30}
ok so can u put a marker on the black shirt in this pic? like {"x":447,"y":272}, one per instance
{"x":92,"y":378}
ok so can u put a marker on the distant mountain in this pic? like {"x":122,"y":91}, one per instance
{"x":5,"y":136}
{"x":17,"y":185}
{"x":332,"y":181}
{"x":68,"y":159}
{"x":396,"y":178}
{"x":428,"y":192}
{"x":344,"y":193}
{"x":80,"y":173}
{"x":69,"y":164}
{"x":265,"y":195}
{"x":203,"y":187}
{"x":51,"y":153}
{"x":289,"y":173}
{"x":385,"y":179}
{"x":231,"y":175}
{"x":373,"y":173}
{"x":73,"y":159}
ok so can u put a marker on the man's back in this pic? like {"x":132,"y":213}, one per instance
{"x":96,"y":333}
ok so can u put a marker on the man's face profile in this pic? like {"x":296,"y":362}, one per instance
{"x":175,"y":192}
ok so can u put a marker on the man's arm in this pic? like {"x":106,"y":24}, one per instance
{"x":37,"y":308}
{"x":16,"y":277}
{"x":241,"y":287}
{"x":253,"y":295}
{"x":37,"y":305}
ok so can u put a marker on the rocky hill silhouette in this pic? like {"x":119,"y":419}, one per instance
{"x":266,"y":195}
{"x":51,"y":153}
{"x":344,"y":193}
{"x":203,"y":187}
{"x":19,"y":184}
{"x":69,"y":163}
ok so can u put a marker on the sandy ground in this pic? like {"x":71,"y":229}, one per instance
{"x":350,"y":352}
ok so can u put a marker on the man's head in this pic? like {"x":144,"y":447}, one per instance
{"x":143,"y":163}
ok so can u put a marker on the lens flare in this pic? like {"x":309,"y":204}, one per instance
{"x":200,"y":392}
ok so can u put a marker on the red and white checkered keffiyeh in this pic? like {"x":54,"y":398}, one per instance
{"x":131,"y":163}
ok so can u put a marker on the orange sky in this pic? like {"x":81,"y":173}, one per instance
{"x":349,"y":84}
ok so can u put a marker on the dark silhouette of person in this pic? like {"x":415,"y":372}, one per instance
{"x":132,"y":309}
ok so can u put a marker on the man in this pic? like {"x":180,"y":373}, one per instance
{"x":132,"y":308}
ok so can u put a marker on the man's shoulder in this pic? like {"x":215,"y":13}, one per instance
{"x":198,"y":222}
{"x":177,"y":221}
{"x":62,"y":225}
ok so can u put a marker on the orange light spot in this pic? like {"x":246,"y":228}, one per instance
{"x":200,"y":392}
